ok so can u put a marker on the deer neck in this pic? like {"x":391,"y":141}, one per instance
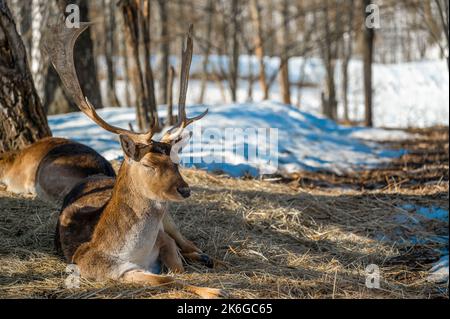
{"x":127,"y":193}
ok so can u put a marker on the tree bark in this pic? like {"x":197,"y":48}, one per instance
{"x":369,"y":36}
{"x":131,"y":22}
{"x":209,"y":26}
{"x":22,"y":17}
{"x":164,"y":51}
{"x":234,"y":69}
{"x":329,"y":102}
{"x":109,"y":49}
{"x":284,"y":72}
{"x":347,"y":52}
{"x":127,"y":74}
{"x":145,"y":15}
{"x":55,"y":99}
{"x":39,"y":65}
{"x":84,"y":57}
{"x":136,"y":15}
{"x":255,"y":11}
{"x":22,"y":117}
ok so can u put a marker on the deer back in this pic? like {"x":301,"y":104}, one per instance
{"x":51,"y":167}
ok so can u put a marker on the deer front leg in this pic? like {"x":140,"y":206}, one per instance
{"x":168,"y":252}
{"x":188,"y":249}
{"x":171,"y":229}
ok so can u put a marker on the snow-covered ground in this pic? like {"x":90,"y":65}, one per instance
{"x":254,"y":138}
{"x":440,"y":270}
{"x":405,"y":95}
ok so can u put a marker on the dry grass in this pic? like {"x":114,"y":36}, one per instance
{"x":280,"y":241}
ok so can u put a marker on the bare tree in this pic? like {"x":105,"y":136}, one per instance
{"x":443,"y":10}
{"x":209,"y":31}
{"x":259,"y":45}
{"x":234,"y":69}
{"x":436,"y":20}
{"x":22,"y":117}
{"x":285,"y":40}
{"x":125,"y":61}
{"x":329,"y":56}
{"x":39,"y":13}
{"x":137,"y":27}
{"x":109,"y":45}
{"x":22,"y":17}
{"x":164,"y":50}
{"x":369,"y":36}
{"x":347,"y":52}
{"x":84,"y":56}
{"x":55,"y":99}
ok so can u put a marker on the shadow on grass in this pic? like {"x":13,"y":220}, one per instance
{"x":264,"y":236}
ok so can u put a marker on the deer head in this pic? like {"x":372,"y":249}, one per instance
{"x":149,"y":167}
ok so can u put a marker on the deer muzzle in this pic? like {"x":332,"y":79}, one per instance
{"x":184,"y":191}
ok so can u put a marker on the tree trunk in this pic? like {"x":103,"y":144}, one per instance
{"x":145,"y":15}
{"x":109,"y":49}
{"x":127,"y":74}
{"x":39,"y":65}
{"x":137,"y":27}
{"x":209,"y":27}
{"x":55,"y":99}
{"x":84,"y":57}
{"x":22,"y":117}
{"x":22,"y":17}
{"x":164,"y":51}
{"x":347,"y":52}
{"x":255,"y":11}
{"x":234,"y":69}
{"x":329,"y":58}
{"x":250,"y":77}
{"x":132,"y":25}
{"x":284,"y":72}
{"x":443,"y":9}
{"x":369,"y":35}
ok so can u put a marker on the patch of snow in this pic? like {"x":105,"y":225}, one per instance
{"x":439,"y":271}
{"x":428,"y":212}
{"x":305,"y":141}
{"x":376,"y":134}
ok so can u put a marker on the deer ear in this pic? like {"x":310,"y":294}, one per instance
{"x":129,"y":147}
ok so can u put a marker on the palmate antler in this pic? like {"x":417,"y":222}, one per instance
{"x":59,"y":45}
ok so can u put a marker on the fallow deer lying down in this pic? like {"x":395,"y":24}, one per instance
{"x":50,"y":168}
{"x":120,"y":228}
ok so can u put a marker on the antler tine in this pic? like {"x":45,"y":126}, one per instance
{"x":186,"y":60}
{"x":59,"y":45}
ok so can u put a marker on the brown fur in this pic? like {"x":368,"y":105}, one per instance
{"x":97,"y":218}
{"x":128,"y":238}
{"x":50,"y":168}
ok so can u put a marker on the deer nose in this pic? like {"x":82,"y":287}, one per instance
{"x":184,"y":191}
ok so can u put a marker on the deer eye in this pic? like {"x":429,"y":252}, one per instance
{"x":148,"y":165}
